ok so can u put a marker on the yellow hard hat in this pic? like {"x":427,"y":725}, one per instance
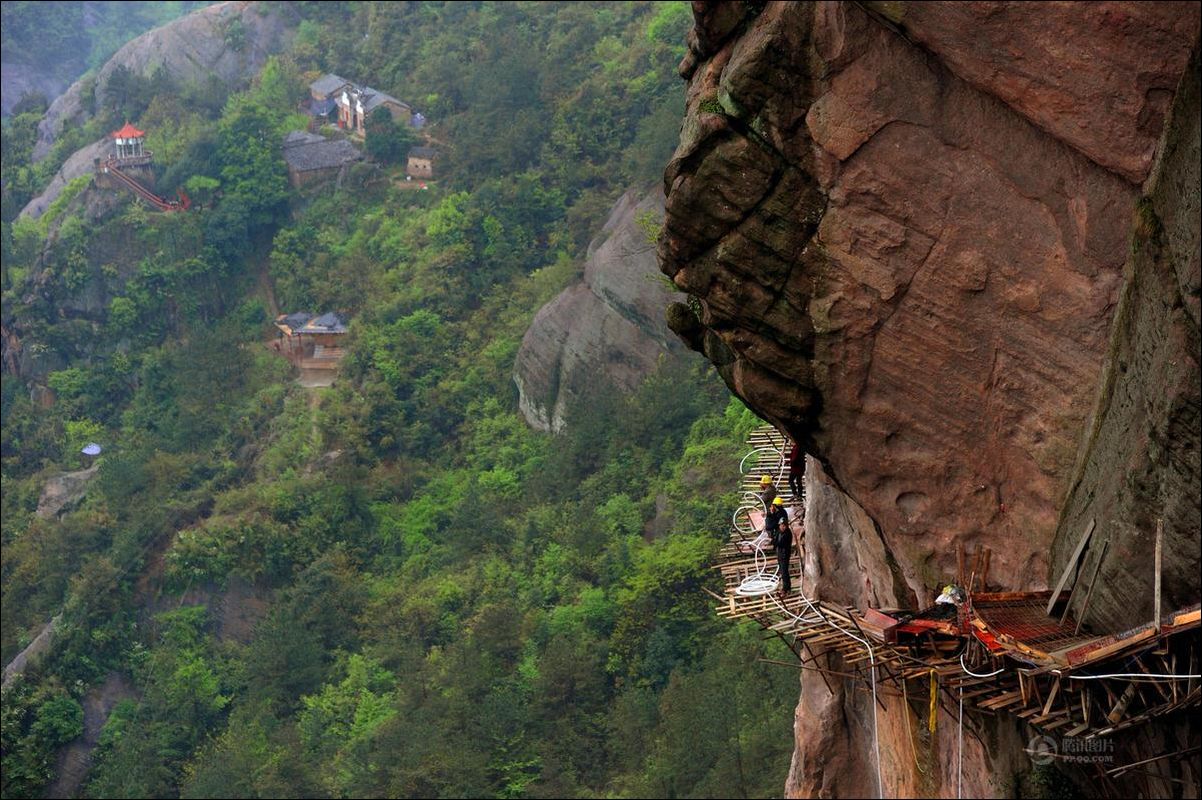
{"x":765,"y":480}
{"x":778,"y":501}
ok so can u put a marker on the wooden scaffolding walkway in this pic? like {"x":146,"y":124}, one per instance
{"x":998,"y":652}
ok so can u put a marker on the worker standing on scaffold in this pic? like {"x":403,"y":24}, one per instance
{"x":777,"y":526}
{"x":767,"y":492}
{"x":797,"y":469}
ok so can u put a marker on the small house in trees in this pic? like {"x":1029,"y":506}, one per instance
{"x":312,"y":341}
{"x":353,"y":103}
{"x":311,"y":157}
{"x":320,"y":104}
{"x":327,"y":87}
{"x":420,"y":163}
{"x":356,"y":104}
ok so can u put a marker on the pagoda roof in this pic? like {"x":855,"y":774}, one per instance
{"x":128,"y":132}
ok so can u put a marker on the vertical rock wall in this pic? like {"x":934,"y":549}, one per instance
{"x":1140,"y":460}
{"x":906,"y":229}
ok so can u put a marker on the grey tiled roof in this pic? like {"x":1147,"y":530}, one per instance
{"x":320,"y":155}
{"x":302,"y":137}
{"x":330,"y":322}
{"x":327,"y":83}
{"x":294,"y":320}
{"x":423,"y":152}
{"x":373,"y":98}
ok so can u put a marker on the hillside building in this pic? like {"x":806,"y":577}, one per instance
{"x":311,"y":157}
{"x":311,"y":341}
{"x":420,"y":163}
{"x":349,"y":104}
{"x":130,"y":146}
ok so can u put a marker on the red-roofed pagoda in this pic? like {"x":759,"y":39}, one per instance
{"x":130,"y":142}
{"x":129,"y":167}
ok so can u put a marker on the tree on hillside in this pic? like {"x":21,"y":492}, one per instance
{"x":253,"y":177}
{"x":388,"y":141}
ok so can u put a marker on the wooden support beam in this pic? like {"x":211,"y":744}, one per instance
{"x":1120,"y":708}
{"x":1158,"y":684}
{"x":1093,"y":579}
{"x":1059,"y":723}
{"x":1005,"y":699}
{"x":985,"y":570}
{"x":1078,"y":730}
{"x":819,"y":670}
{"x":1071,"y":567}
{"x":1156,"y":590}
{"x":960,"y":563}
{"x":1116,"y":771}
{"x":814,"y":657}
{"x":788,"y":644}
{"x":1047,"y":707}
{"x":1189,"y":682}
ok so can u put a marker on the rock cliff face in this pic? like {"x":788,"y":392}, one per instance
{"x":228,"y":42}
{"x":610,"y":324}
{"x":1140,"y":459}
{"x":909,"y":230}
{"x":18,"y":80}
{"x":81,"y":162}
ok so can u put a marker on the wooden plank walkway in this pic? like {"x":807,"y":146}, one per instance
{"x":1006,"y":655}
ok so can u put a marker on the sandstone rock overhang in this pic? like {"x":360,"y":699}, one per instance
{"x":906,"y":247}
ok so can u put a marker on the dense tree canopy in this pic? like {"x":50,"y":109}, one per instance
{"x":392,"y":586}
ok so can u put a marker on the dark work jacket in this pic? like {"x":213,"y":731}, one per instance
{"x":782,"y":540}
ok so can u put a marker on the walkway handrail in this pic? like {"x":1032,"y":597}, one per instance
{"x":162,"y":204}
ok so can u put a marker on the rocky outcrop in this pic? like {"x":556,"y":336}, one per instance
{"x":33,"y":652}
{"x":63,"y":491}
{"x":906,"y":228}
{"x":1106,"y":100}
{"x":610,"y":325}
{"x":228,"y":42}
{"x":81,"y":162}
{"x":901,"y":268}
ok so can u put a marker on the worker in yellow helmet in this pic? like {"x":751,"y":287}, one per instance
{"x":776,"y":524}
{"x":767,"y":492}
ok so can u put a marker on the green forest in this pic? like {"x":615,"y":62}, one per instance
{"x":448,"y":603}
